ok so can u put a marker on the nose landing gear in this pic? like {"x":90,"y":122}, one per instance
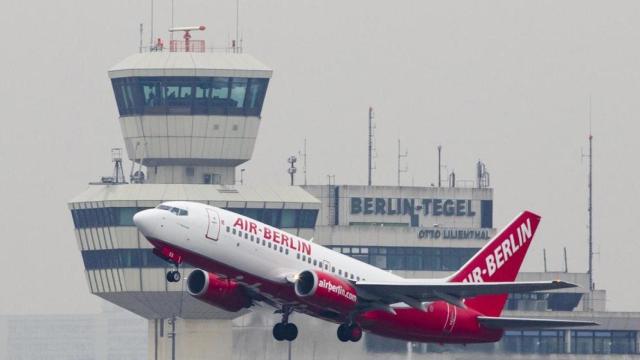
{"x":285,"y":330}
{"x":349,"y":332}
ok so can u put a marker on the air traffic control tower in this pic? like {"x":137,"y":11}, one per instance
{"x":188,"y":117}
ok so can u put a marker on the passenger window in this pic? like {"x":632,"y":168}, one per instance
{"x":333,"y":269}
{"x":315,"y":262}
{"x":246,"y":236}
{"x":304,"y":257}
{"x":358,"y":278}
{"x":309,"y":260}
{"x":339,"y":271}
{"x":263,"y":242}
{"x":286,"y":251}
{"x":233,"y":231}
{"x":269,"y":245}
{"x":240,"y":233}
{"x":228,"y":229}
{"x":346,"y":274}
{"x":298,"y":256}
{"x":281,"y":249}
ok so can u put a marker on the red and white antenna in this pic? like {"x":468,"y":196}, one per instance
{"x":187,"y":34}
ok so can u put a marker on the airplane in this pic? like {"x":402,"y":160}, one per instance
{"x":240,"y":262}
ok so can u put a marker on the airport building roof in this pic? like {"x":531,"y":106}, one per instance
{"x":190,"y":64}
{"x":217,"y":195}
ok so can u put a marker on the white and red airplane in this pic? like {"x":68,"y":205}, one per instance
{"x":241,"y":262}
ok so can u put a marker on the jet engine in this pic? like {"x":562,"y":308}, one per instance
{"x":325,"y":290}
{"x":217,"y":291}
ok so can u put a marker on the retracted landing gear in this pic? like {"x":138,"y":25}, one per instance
{"x":349,"y":332}
{"x":285,"y":330}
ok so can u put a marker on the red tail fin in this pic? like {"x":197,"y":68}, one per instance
{"x":499,"y":261}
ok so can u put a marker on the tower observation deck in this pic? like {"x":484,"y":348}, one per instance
{"x":188,"y":118}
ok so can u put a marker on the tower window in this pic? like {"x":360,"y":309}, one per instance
{"x":212,"y":179}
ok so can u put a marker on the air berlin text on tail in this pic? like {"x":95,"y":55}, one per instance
{"x":502,"y":252}
{"x":273,"y":235}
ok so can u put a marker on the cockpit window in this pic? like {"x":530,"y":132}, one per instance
{"x":174,"y":210}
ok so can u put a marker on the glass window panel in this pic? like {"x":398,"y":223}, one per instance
{"x":602,"y":345}
{"x":237,"y":96}
{"x":395,"y":262}
{"x":219,"y":100}
{"x":272,"y":217}
{"x":413,"y":262}
{"x":379,"y":261}
{"x":308,"y":218}
{"x":255,"y":214}
{"x":152,"y":96}
{"x":255,"y":96}
{"x":289,"y":218}
{"x":178,"y":95}
{"x":189,"y":95}
{"x":201,"y":96}
{"x":582,"y":345}
{"x":220,"y":89}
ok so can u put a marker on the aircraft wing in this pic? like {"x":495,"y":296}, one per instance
{"x":526,"y":323}
{"x":414,"y":293}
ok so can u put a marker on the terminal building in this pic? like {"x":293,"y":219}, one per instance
{"x":188,"y":119}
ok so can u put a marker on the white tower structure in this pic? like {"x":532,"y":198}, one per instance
{"x":188,"y":118}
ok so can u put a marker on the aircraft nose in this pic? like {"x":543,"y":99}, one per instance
{"x":144,"y":221}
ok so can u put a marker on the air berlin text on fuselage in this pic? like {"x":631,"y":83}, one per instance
{"x":502,"y":252}
{"x":273,"y":235}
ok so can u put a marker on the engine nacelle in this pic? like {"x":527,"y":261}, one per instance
{"x":326,"y":291}
{"x":214,"y":290}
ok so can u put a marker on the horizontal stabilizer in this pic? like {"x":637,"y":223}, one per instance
{"x":525,"y":323}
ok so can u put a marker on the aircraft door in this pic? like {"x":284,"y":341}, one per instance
{"x":213,"y":226}
{"x":326,"y":266}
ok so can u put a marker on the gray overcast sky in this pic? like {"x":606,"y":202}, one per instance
{"x":507,"y":82}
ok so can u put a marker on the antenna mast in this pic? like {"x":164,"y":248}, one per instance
{"x":400,"y":156}
{"x":590,"y":209}
{"x":370,"y":144}
{"x":303,"y":154}
{"x":238,"y":22}
{"x":151,"y":32}
{"x":172,"y":17}
{"x":140,"y":46}
{"x":439,"y":165}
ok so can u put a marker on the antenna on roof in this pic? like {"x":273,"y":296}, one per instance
{"x":151,"y":33}
{"x":237,"y":40}
{"x":402,"y":169}
{"x":172,"y":12}
{"x":140,"y":46}
{"x":198,"y":44}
